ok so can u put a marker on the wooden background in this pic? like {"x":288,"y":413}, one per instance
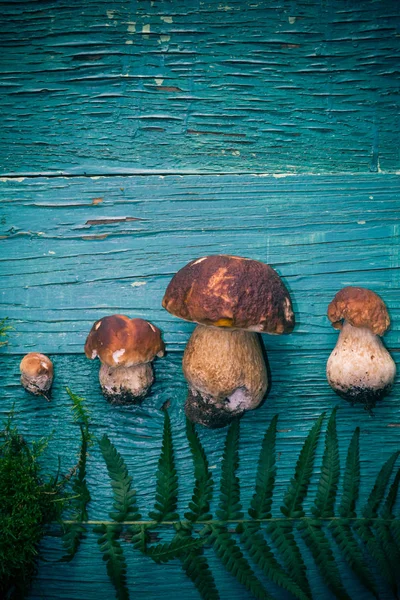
{"x":138,"y":135}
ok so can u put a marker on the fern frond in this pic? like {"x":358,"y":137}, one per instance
{"x":265,"y":479}
{"x":328,"y":482}
{"x":316,"y":540}
{"x":178,"y":547}
{"x":167,"y":479}
{"x":376,"y":496}
{"x":258,"y":549}
{"x":113,"y":555}
{"x":125,"y":508}
{"x":229,"y":504}
{"x":203,"y":487}
{"x":352,"y":553}
{"x":387,"y":511}
{"x":395,"y":531}
{"x":196,"y":567}
{"x":233,"y":560}
{"x":283,"y":539}
{"x":73,"y":534}
{"x":351,"y":479}
{"x":293,"y":500}
{"x":377,"y":552}
{"x":79,"y":411}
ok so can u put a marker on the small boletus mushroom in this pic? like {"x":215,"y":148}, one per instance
{"x":125,"y":348}
{"x":37,"y":374}
{"x":232,"y":299}
{"x":360,"y":369}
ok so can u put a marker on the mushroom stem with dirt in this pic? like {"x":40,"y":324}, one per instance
{"x":360,"y":369}
{"x":232,"y":299}
{"x":126,"y":347}
{"x":37,"y":374}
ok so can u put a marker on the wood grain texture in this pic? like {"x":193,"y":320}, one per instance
{"x":299,"y":394}
{"x":209,"y":86}
{"x":75,"y":250}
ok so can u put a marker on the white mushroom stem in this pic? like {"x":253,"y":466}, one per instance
{"x":360,"y":369}
{"x":121,"y":385}
{"x":226,"y":373}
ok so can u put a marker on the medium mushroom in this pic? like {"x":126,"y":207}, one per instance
{"x":37,"y":374}
{"x":231,"y":299}
{"x":125,"y":348}
{"x":360,"y":369}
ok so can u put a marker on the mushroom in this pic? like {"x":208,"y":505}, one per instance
{"x":231,"y":299}
{"x":125,"y":348}
{"x":37,"y":374}
{"x":360,"y":369}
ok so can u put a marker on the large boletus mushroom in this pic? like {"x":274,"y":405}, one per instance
{"x":360,"y":369}
{"x":231,"y":299}
{"x":125,"y":348}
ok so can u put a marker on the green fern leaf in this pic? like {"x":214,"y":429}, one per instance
{"x":229,"y":504}
{"x":388,"y":543}
{"x":167,"y":479}
{"x":376,"y":496}
{"x":80,"y":412}
{"x":286,"y":546}
{"x":196,"y":567}
{"x":352,"y":553}
{"x":293,"y":500}
{"x":139,"y":537}
{"x":203,"y":488}
{"x":258,"y":549}
{"x":377,"y":552}
{"x":74,"y":533}
{"x":351,"y":479}
{"x":395,"y":531}
{"x":328,"y":482}
{"x":232,"y":558}
{"x":178,"y":547}
{"x":265,"y":480}
{"x":318,"y":543}
{"x":387,"y":511}
{"x":113,"y":555}
{"x":125,"y":508}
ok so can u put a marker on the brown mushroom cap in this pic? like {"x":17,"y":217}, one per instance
{"x":359,"y":307}
{"x":122,"y":342}
{"x":35,"y":364}
{"x":233,"y":292}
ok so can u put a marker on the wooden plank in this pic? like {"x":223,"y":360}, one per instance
{"x":299,"y":394}
{"x":206,"y":86}
{"x":77,"y":249}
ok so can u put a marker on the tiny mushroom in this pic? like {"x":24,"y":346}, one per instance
{"x":232,"y":299}
{"x":37,"y":374}
{"x":360,"y":369}
{"x":125,"y":348}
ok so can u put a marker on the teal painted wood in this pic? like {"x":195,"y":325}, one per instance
{"x":74,"y":250}
{"x":299,"y":394}
{"x":212,"y":86}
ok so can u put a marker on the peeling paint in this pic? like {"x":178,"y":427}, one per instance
{"x":166,"y":19}
{"x":138,"y":283}
{"x":110,"y":14}
{"x":18,"y":179}
{"x":158,"y":80}
{"x":165,"y":38}
{"x":132,"y":27}
{"x":292,"y":20}
{"x":128,"y":42}
{"x":146,"y":28}
{"x":361,"y":222}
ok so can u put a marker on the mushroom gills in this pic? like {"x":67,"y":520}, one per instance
{"x":226,"y":373}
{"x":360,"y":369}
{"x":126,"y":385}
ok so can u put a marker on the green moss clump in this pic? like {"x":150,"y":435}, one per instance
{"x":28,"y":503}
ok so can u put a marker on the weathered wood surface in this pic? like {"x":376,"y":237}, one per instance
{"x":75,"y":250}
{"x":169,"y":86}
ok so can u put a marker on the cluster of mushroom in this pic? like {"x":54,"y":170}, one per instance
{"x":232,"y":300}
